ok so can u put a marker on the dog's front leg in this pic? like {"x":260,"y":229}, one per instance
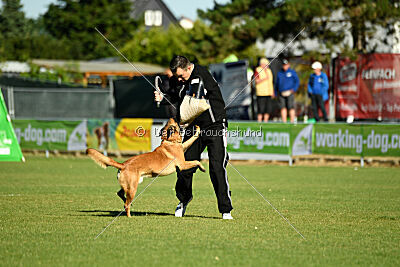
{"x":191,"y":140}
{"x":191,"y":164}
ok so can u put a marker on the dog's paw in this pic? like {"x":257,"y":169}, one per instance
{"x":197,"y":133}
{"x":201,"y":167}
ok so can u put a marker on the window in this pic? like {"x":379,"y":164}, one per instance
{"x":153,"y":18}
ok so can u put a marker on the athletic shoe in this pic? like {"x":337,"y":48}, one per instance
{"x":227,"y":216}
{"x":181,"y":208}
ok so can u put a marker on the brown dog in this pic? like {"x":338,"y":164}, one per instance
{"x":161,"y":162}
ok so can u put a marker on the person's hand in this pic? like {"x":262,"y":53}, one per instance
{"x":157,"y":96}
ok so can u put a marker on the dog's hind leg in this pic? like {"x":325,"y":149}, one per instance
{"x":130,"y":194}
{"x":121,"y":194}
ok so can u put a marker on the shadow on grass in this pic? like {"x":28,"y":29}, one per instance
{"x":389,"y":218}
{"x":114,"y":213}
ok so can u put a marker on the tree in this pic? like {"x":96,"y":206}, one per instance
{"x":73,"y":22}
{"x":12,"y":19}
{"x":202,"y":44}
{"x":213,"y":44}
{"x":156,"y":45}
{"x":13,"y":27}
{"x":365,"y":17}
{"x":22,"y":38}
{"x":326,"y":21}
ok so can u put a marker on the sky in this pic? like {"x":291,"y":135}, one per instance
{"x":187,"y":8}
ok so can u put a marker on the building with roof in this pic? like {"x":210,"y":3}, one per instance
{"x":100,"y":72}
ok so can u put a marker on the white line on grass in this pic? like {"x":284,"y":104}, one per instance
{"x":116,"y":49}
{"x":286,"y":46}
{"x":133,"y":200}
{"x":266,"y":200}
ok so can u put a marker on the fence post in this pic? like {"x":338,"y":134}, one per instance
{"x":363,"y":148}
{"x":10,"y":96}
{"x":290,"y":145}
{"x":112,"y":100}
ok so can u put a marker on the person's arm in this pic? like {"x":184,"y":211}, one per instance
{"x":259,"y":80}
{"x":271,"y":78}
{"x":170,"y":93}
{"x":326,"y":82}
{"x":256,"y":76}
{"x":210,"y":84}
{"x":296,"y":81}
{"x":169,"y":98}
{"x":325,"y":94}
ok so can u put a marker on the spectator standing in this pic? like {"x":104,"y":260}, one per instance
{"x":286,"y":84}
{"x":318,"y":86}
{"x":264,"y":90}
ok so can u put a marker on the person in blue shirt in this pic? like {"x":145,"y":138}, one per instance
{"x":318,"y":86}
{"x":286,"y":84}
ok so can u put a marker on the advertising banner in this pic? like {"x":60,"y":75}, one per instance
{"x":9,"y":147}
{"x":301,"y":139}
{"x":51,"y":135}
{"x":381,"y":140}
{"x":245,"y":140}
{"x":356,"y":140}
{"x":368,"y":87}
{"x":252,"y":137}
{"x":259,"y":138}
{"x":101,"y":134}
{"x":343,"y":139}
{"x":132,"y":135}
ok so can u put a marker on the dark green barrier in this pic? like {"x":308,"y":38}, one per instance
{"x":356,"y":140}
{"x":249,"y":140}
{"x":269,"y":138}
{"x":51,"y":135}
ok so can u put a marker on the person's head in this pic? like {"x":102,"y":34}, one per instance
{"x":285,"y":64}
{"x":264,"y":62}
{"x":181,"y":67}
{"x":317,"y":67}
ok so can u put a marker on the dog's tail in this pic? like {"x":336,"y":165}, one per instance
{"x":102,"y":160}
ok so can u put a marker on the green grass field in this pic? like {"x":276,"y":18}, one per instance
{"x":52,"y":210}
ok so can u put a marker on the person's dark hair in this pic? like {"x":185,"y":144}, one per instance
{"x":178,"y":62}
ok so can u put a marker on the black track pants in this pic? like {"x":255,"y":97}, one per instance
{"x":317,"y":102}
{"x":214,"y":139}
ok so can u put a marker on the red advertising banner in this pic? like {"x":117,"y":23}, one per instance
{"x":368,"y":88}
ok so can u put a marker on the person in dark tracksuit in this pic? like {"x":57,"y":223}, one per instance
{"x":212,"y":123}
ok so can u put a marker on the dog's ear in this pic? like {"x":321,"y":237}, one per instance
{"x":170,"y":131}
{"x":161,"y":133}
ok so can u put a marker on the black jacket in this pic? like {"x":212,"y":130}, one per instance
{"x":177,"y":91}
